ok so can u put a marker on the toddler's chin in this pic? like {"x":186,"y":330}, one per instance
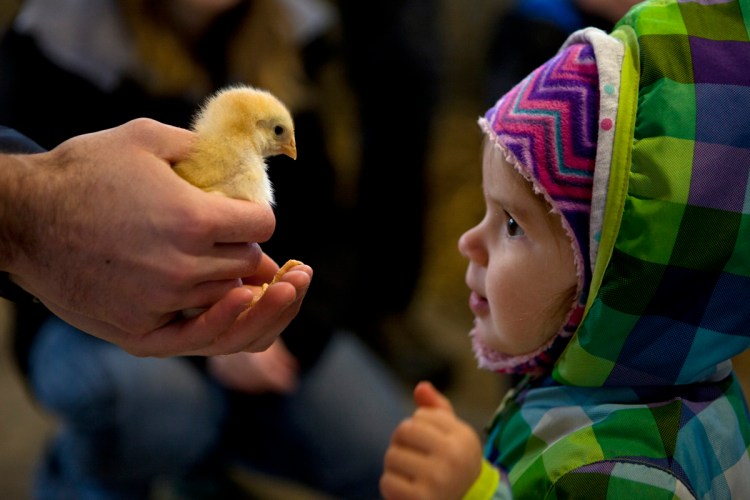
{"x":487,"y":357}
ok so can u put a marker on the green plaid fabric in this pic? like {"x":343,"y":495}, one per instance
{"x":643,"y":402}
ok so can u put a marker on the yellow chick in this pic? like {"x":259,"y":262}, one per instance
{"x":238,"y":128}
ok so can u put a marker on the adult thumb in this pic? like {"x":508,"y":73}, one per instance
{"x":426,"y":395}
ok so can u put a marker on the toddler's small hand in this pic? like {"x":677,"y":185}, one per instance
{"x":434,"y":454}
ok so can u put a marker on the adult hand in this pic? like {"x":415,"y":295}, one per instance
{"x":109,"y":238}
{"x":433,"y":454}
{"x":273,"y":370}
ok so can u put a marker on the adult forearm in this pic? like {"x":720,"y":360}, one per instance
{"x":17,"y":212}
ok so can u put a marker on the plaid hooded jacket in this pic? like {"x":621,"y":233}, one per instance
{"x":643,"y":402}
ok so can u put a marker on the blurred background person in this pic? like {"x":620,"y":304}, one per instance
{"x":317,"y":407}
{"x":528,"y":32}
{"x":392,"y":52}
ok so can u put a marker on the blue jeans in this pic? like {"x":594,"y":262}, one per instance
{"x":127,"y":421}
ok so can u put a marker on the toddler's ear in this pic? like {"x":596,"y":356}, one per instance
{"x":426,"y":395}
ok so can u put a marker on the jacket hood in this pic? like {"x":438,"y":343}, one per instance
{"x":669,"y":300}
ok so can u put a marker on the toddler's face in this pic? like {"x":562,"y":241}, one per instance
{"x":521,"y":269}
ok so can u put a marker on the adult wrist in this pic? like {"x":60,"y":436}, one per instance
{"x":11,"y":208}
{"x":13,"y":216}
{"x":12,"y":172}
{"x":13,"y":148}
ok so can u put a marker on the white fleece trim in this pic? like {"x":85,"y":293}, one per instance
{"x":609,"y":53}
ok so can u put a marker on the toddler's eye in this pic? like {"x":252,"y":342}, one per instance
{"x":512,"y":226}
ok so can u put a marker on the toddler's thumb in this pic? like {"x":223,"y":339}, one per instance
{"x":426,"y":395}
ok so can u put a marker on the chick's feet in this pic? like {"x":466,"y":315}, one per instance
{"x":281,"y":272}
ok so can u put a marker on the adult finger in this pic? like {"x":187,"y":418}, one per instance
{"x":229,"y":261}
{"x":237,"y":221}
{"x":263,"y":273}
{"x":228,"y":326}
{"x":164,"y":141}
{"x":274,"y":311}
{"x":260,"y":325}
{"x":181,"y":336}
{"x":201,"y":334}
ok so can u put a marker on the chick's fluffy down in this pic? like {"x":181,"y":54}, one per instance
{"x":237,"y":129}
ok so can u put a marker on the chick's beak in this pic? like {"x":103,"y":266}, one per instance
{"x":290,"y":149}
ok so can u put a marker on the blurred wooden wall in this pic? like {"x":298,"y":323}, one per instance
{"x":7,"y":9}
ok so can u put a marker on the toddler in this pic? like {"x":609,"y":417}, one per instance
{"x":612,"y":269}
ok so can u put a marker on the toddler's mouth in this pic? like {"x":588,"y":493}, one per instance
{"x":478,"y":304}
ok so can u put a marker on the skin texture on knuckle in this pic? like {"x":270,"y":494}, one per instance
{"x":190,"y":228}
{"x":181,"y":275}
{"x":142,"y":129}
{"x":197,"y":223}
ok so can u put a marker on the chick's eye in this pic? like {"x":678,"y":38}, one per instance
{"x":278,"y":130}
